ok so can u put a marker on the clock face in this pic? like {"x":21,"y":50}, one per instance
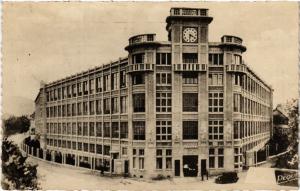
{"x":190,"y":34}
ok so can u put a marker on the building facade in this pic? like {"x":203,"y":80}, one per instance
{"x":176,"y":108}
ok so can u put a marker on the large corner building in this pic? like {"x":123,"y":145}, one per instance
{"x":176,"y":108}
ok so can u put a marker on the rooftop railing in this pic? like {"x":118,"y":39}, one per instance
{"x":143,"y":67}
{"x":190,"y":67}
{"x":142,"y":38}
{"x":188,"y":12}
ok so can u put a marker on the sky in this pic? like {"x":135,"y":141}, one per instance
{"x":49,"y":41}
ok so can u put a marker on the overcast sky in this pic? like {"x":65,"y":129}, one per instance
{"x":48,"y":41}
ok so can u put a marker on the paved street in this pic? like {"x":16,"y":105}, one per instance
{"x":53,"y":176}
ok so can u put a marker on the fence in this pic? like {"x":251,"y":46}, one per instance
{"x":70,"y":159}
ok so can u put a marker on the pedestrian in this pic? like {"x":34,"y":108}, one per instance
{"x":185,"y":169}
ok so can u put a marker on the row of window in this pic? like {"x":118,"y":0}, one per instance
{"x":86,"y":147}
{"x":109,"y":106}
{"x":100,"y":84}
{"x":92,"y":129}
{"x":244,"y":129}
{"x":250,"y":85}
{"x":244,"y":105}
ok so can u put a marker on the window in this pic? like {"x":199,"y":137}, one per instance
{"x":215,"y":59}
{"x":163,"y":102}
{"x":115,"y":129}
{"x":124,"y":150}
{"x":114,"y":81}
{"x":106,"y":129}
{"x":215,"y":79}
{"x":190,"y":58}
{"x":59,"y":93}
{"x":79,"y":88}
{"x":168,"y":158}
{"x":163,"y":155}
{"x":216,"y":154}
{"x":163,"y":58}
{"x":98,"y":129}
{"x":106,"y":150}
{"x":68,"y":110}
{"x":163,"y":78}
{"x":79,"y":108}
{"x":236,"y":102}
{"x":139,"y":102}
{"x":98,"y":107}
{"x":190,"y":78}
{"x":106,"y":104}
{"x":85,"y":129}
{"x":79,"y":146}
{"x":163,"y":131}
{"x":92,"y":148}
{"x":215,"y":130}
{"x":159,"y":159}
{"x":139,"y":130}
{"x":123,"y":104}
{"x":99,"y":149}
{"x":237,"y":59}
{"x":74,"y":130}
{"x":122,"y":79}
{"x":92,"y":107}
{"x":64,"y":93}
{"x":138,"y":58}
{"x":92,"y":129}
{"x":68,"y":91}
{"x":215,"y":102}
{"x":190,"y":130}
{"x":123,"y":130}
{"x":106,"y":81}
{"x":92,"y":86}
{"x":114,"y":105}
{"x":85,"y":108}
{"x":138,"y":79}
{"x":99,"y":84}
{"x":236,"y":130}
{"x":74,"y":90}
{"x":85,"y":147}
{"x":211,"y":160}
{"x":85,"y":87}
{"x":141,"y":159}
{"x":190,"y":102}
{"x":73,"y":109}
{"x":63,"y":111}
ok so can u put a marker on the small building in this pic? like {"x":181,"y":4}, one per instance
{"x":280,"y":121}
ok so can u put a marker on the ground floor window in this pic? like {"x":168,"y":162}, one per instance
{"x":163,"y":159}
{"x":138,"y":158}
{"x":216,"y":158}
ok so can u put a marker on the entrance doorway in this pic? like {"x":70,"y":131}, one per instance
{"x":190,"y":165}
{"x":114,"y":156}
{"x":203,"y":167}
{"x":177,"y":167}
{"x":126,"y":166}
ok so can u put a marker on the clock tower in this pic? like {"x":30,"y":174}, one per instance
{"x":188,"y":32}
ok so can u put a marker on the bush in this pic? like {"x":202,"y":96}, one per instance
{"x":17,"y":173}
{"x":14,"y":125}
{"x":159,"y":177}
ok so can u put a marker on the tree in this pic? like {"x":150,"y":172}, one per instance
{"x":290,"y":159}
{"x":14,"y":125}
{"x":17,"y":173}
